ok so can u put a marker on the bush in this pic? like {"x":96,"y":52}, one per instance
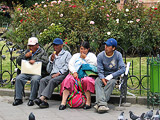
{"x":90,"y":20}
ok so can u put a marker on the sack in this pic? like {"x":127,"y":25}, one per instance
{"x":77,"y":98}
{"x":34,"y":69}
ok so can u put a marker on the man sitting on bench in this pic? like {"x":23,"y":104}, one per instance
{"x":34,"y":54}
{"x":110,"y":66}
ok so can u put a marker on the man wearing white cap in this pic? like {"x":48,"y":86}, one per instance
{"x":34,"y":54}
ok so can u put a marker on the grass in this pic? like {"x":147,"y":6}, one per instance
{"x":133,"y":82}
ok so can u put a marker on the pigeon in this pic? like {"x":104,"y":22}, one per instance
{"x":121,"y":117}
{"x":156,"y":116}
{"x":142,"y":116}
{"x":132,"y":116}
{"x":31,"y":116}
{"x":148,"y":115}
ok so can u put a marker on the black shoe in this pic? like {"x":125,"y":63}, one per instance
{"x":38,"y":101}
{"x":30,"y":103}
{"x":87,"y":107}
{"x":17,"y":102}
{"x":44,"y":105}
{"x":62,"y":107}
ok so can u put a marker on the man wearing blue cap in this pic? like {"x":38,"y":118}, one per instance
{"x":58,"y":69}
{"x":110,"y":66}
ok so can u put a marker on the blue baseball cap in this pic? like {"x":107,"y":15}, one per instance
{"x":58,"y":41}
{"x":111,"y":42}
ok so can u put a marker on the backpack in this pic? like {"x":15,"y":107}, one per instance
{"x":77,"y":97}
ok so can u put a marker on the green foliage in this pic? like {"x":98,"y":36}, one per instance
{"x":95,"y":21}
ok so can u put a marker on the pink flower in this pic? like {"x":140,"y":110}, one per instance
{"x":137,"y":20}
{"x":18,"y":9}
{"x":45,"y":5}
{"x":74,"y":6}
{"x":70,"y":5}
{"x":91,"y":22}
{"x":59,"y":1}
{"x":107,"y":18}
{"x":107,"y":15}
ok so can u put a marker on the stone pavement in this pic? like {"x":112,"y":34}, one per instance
{"x":21,"y":112}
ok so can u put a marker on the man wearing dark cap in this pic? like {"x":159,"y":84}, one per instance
{"x":110,"y":66}
{"x":34,"y":54}
{"x":58,"y":69}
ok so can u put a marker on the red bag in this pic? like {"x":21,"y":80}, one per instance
{"x":77,"y":98}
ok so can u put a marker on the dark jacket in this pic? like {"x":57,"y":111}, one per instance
{"x":40,"y":56}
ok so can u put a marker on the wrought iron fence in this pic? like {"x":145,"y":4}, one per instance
{"x":137,"y":79}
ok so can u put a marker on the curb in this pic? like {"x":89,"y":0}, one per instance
{"x":113,"y":99}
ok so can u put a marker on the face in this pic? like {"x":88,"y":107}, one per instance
{"x":109,"y":50}
{"x":57,"y":48}
{"x":33,"y":47}
{"x":84,"y":50}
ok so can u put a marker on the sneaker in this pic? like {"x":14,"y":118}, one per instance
{"x":102,"y":109}
{"x":96,"y":107}
{"x":30,"y":103}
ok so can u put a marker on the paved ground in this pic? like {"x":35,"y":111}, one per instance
{"x":21,"y":112}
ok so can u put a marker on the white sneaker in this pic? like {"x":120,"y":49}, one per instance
{"x":96,"y":107}
{"x":102,"y":109}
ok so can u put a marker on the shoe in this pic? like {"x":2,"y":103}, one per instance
{"x":87,"y":107}
{"x":17,"y":102}
{"x":44,"y":105}
{"x":102,"y":109}
{"x":62,"y":107}
{"x":30,"y":103}
{"x":96,"y":107}
{"x":38,"y":101}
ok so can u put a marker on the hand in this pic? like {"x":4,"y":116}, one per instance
{"x":75,"y":75}
{"x":104,"y":82}
{"x":55,"y":75}
{"x":32,"y":61}
{"x":83,"y":56}
{"x":28,"y":54}
{"x":52,"y":57}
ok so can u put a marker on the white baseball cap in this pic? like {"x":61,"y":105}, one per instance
{"x":32,"y":41}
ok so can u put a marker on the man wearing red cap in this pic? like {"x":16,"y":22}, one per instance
{"x":34,"y":54}
{"x":110,"y":66}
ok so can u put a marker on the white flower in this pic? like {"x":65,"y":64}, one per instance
{"x":45,"y":29}
{"x":130,"y":21}
{"x":36,"y":4}
{"x":42,"y":2}
{"x":91,"y":22}
{"x":127,"y":10}
{"x":16,"y":29}
{"x":57,"y":12}
{"x":45,"y":5}
{"x":61,"y":15}
{"x":108,"y":33}
{"x":40,"y":33}
{"x":59,"y":23}
{"x":21,"y":14}
{"x":153,"y":7}
{"x":52,"y":24}
{"x":53,"y":2}
{"x":117,"y":20}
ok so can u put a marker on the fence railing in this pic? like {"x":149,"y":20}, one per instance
{"x":137,"y":79}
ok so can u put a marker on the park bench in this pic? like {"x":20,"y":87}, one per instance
{"x":121,"y":84}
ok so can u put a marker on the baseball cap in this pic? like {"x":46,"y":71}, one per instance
{"x":58,"y":41}
{"x":111,"y":42}
{"x":32,"y":41}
